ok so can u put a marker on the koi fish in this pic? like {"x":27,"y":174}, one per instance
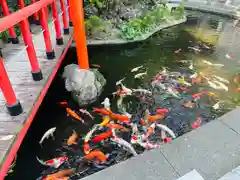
{"x":142,"y":122}
{"x":63,"y":103}
{"x":193,"y":75}
{"x":146,"y":116}
{"x":197,"y":123}
{"x":99,"y":155}
{"x":84,"y":111}
{"x":63,"y":178}
{"x":86,"y":148}
{"x":89,"y":134}
{"x":207,"y":62}
{"x":117,"y":126}
{"x":72,"y":139}
{"x":102,"y":136}
{"x":60,"y":174}
{"x":172,"y":92}
{"x":106,"y":103}
{"x":149,"y":132}
{"x":136,"y":68}
{"x":177,"y":51}
{"x":122,"y":118}
{"x":47,"y":134}
{"x":148,"y":145}
{"x":212,"y":85}
{"x":162,"y":111}
{"x":74,"y":115}
{"x":167,"y":139}
{"x":221,"y":79}
{"x":102,"y":111}
{"x":191,"y":66}
{"x":210,"y":93}
{"x":166,"y":129}
{"x":221,"y":85}
{"x":56,"y":162}
{"x":125,"y":144}
{"x":228,"y":56}
{"x":196,"y":80}
{"x":155,"y":117}
{"x":95,"y":65}
{"x":197,"y":95}
{"x":105,"y":121}
{"x":195,"y":49}
{"x":216,"y":106}
{"x":142,"y":90}
{"x":120,"y":81}
{"x":139,"y":75}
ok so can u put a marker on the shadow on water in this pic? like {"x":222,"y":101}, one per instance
{"x":116,"y":63}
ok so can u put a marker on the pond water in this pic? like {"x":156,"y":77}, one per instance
{"x":204,"y":37}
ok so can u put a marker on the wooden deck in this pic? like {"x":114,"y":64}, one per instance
{"x":30,"y":93}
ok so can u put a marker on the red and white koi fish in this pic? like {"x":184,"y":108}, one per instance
{"x":197,"y":95}
{"x":56,"y":162}
{"x":162,"y":111}
{"x":197,"y":123}
{"x":228,"y":56}
{"x":125,"y":144}
{"x":148,"y":145}
{"x":166,"y":129}
{"x":145,"y":91}
{"x":84,"y":111}
{"x":149,"y":132}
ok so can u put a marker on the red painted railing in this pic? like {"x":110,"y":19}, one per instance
{"x":39,"y":10}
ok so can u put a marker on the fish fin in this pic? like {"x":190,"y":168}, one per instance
{"x":67,"y":114}
{"x":40,"y":161}
{"x":53,"y":137}
{"x":75,"y":143}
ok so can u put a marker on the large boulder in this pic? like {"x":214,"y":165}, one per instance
{"x":84,"y":85}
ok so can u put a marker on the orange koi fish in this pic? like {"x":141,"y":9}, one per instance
{"x":99,"y":155}
{"x":118,"y":126}
{"x":59,"y":174}
{"x":63,"y":178}
{"x":102,"y":136}
{"x":72,"y":139}
{"x":142,"y":122}
{"x":102,"y":111}
{"x":210,"y":93}
{"x":86,"y":148}
{"x":162,"y":111}
{"x":122,"y":118}
{"x":155,"y":117}
{"x":63,"y":103}
{"x":74,"y":115}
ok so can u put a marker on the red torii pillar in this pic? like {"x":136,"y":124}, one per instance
{"x":77,"y":18}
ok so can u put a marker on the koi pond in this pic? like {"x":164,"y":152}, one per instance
{"x":172,"y":83}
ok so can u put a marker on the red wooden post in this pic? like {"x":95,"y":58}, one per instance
{"x":14,"y":38}
{"x":69,"y":14}
{"x":43,"y":21}
{"x":46,"y":12}
{"x":64,"y":18}
{"x":35,"y":16}
{"x":27,"y":38}
{"x":57,"y":25}
{"x":13,"y":105}
{"x":21,"y":3}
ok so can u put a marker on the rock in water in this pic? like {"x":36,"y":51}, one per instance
{"x":84,"y":85}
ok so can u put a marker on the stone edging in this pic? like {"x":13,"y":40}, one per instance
{"x":141,"y":38}
{"x":224,"y":10}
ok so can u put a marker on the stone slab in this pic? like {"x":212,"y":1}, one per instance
{"x":192,"y":175}
{"x":213,"y":150}
{"x":233,"y":175}
{"x":232,"y":120}
{"x":150,"y":165}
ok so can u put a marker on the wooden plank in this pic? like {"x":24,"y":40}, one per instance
{"x":10,"y":127}
{"x":5,"y":144}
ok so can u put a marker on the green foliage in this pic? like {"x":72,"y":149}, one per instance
{"x":98,"y":3}
{"x":136,"y":27}
{"x":178,"y":13}
{"x":94,"y":24}
{"x":4,"y":36}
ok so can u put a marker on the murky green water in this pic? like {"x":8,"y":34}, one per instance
{"x":154,"y":53}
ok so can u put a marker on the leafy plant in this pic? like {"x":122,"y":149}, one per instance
{"x":94,"y":24}
{"x":4,"y":36}
{"x":178,"y":12}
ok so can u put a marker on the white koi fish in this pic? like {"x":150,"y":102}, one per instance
{"x":84,"y":111}
{"x":56,"y":162}
{"x":218,"y":65}
{"x":166,"y":129}
{"x":212,"y":85}
{"x":221,"y":79}
{"x":136,"y":68}
{"x":191,"y":66}
{"x":221,"y":85}
{"x":89,"y":134}
{"x":120,"y":81}
{"x":106,"y":103}
{"x":161,"y":85}
{"x":47,"y":134}
{"x":173,"y":93}
{"x":207,"y":62}
{"x":139,"y":75}
{"x":216,"y":106}
{"x":207,"y":47}
{"x":125,"y":144}
{"x":195,"y":49}
{"x":193,"y":75}
{"x":145,"y":91}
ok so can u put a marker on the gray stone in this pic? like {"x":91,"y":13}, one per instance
{"x":233,"y":175}
{"x":150,"y":165}
{"x":212,"y":150}
{"x":192,"y":175}
{"x":84,"y":85}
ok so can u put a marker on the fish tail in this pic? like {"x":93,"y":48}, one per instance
{"x":40,"y":161}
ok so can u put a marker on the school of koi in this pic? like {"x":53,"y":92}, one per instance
{"x":170,"y":105}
